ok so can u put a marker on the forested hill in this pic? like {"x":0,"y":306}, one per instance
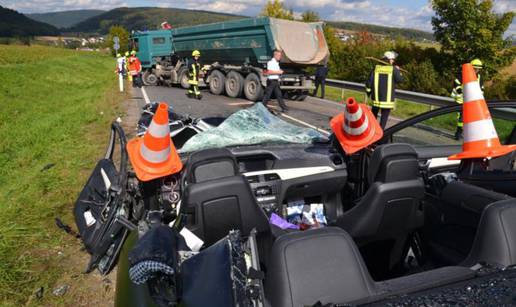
{"x":411,"y":34}
{"x":142,"y":18}
{"x":65,"y":19}
{"x":13,"y":24}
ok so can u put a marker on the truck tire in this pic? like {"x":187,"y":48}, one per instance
{"x":217,"y":82}
{"x":253,"y":88}
{"x":234,"y":84}
{"x":149,"y":78}
{"x":183,"y":77}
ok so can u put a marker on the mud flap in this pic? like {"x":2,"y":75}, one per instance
{"x":101,"y":211}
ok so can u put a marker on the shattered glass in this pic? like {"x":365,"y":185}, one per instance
{"x":255,"y":125}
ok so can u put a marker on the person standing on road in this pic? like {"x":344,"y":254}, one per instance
{"x":194,"y":69}
{"x":135,"y":69}
{"x":457,"y":94}
{"x":273,"y":75}
{"x":381,"y":87}
{"x":320,"y":79}
{"x":126,"y":63}
{"x":120,"y":70}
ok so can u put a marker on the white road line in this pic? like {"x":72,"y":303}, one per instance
{"x":147,"y":100}
{"x":305,"y":123}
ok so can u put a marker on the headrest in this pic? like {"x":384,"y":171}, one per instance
{"x":393,"y":162}
{"x":210,"y":164}
{"x":320,"y":265}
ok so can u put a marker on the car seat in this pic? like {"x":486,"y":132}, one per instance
{"x":389,"y":210}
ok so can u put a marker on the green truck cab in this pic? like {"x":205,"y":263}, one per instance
{"x":235,"y":54}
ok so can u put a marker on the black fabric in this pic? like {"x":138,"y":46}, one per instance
{"x":382,"y":84}
{"x":213,"y":208}
{"x":194,"y":67}
{"x":384,"y":115}
{"x":216,"y":276}
{"x":273,"y":87}
{"x":495,"y":241}
{"x":321,"y":265}
{"x":210,"y":164}
{"x":321,"y":72}
{"x":322,"y":84}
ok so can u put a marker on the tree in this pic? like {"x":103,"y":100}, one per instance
{"x":469,"y":29}
{"x":123,"y":36}
{"x":310,"y":16}
{"x":276,"y":9}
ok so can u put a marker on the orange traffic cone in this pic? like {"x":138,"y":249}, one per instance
{"x":356,"y":128}
{"x":154,"y":155}
{"x":480,"y":137}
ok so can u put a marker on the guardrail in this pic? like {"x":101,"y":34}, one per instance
{"x":429,"y":99}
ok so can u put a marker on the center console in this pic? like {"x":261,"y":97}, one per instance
{"x":266,"y":189}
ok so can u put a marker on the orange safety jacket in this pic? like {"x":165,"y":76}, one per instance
{"x":135,"y":66}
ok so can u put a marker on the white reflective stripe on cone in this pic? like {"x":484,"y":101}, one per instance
{"x":353,"y":117}
{"x":472,"y":92}
{"x":479,"y":130}
{"x":154,"y":156}
{"x":158,"y":131}
{"x":356,"y":131}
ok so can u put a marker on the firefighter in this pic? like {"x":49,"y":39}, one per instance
{"x":457,"y":94}
{"x":135,"y":68}
{"x":194,"y":69}
{"x":381,"y":87}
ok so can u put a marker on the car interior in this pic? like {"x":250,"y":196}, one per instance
{"x":408,"y":228}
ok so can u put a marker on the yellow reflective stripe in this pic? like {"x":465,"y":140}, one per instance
{"x":389,"y":86}
{"x":381,"y":69}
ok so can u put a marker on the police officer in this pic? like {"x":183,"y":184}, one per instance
{"x":381,"y":87}
{"x":458,"y":96}
{"x":194,"y":68}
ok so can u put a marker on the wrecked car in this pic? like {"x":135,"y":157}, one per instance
{"x":265,"y":213}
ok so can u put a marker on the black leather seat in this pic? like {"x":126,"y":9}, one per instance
{"x":316,"y":265}
{"x":389,"y":210}
{"x":495,"y":241}
{"x":216,"y":199}
{"x":324,"y":265}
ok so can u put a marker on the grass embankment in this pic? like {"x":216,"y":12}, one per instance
{"x":406,"y":109}
{"x":55,"y":109}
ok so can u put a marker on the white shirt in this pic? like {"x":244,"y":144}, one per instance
{"x":273,"y":65}
{"x":120,"y":62}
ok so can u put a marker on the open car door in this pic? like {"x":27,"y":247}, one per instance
{"x":102,"y":209}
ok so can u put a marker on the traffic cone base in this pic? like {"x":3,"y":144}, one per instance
{"x":480,"y":137}
{"x":361,"y":129}
{"x":154,"y":155}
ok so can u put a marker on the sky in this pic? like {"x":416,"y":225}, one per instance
{"x":397,"y":13}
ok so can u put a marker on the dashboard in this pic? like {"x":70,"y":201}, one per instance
{"x":279,"y":173}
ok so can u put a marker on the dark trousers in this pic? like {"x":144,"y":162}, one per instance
{"x":385,"y":115}
{"x":273,"y":87}
{"x":322,"y":83}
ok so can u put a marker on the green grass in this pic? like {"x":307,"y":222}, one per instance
{"x":55,"y":108}
{"x":406,"y":109}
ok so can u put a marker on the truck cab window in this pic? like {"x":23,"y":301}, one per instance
{"x":158,"y":40}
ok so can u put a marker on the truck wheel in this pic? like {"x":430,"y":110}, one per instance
{"x":253,"y":88}
{"x":234,"y":84}
{"x":217,"y":82}
{"x":183,"y":78}
{"x":149,"y":78}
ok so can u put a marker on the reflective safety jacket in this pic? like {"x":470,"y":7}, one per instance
{"x":456,"y":93}
{"x":134,"y":66}
{"x":194,"y":68}
{"x":382,"y":84}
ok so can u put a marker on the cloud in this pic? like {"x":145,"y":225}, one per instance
{"x":54,"y":5}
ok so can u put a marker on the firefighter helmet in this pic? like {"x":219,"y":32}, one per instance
{"x":196,"y":53}
{"x":127,"y":53}
{"x":477,"y":64}
{"x":390,"y":55}
{"x":133,"y":52}
{"x":118,"y":55}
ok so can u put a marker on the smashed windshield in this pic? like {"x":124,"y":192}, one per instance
{"x":255,"y":125}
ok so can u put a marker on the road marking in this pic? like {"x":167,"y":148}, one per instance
{"x":147,"y":100}
{"x":240,"y":103}
{"x":305,"y":123}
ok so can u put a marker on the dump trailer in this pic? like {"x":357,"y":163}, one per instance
{"x":235,"y":54}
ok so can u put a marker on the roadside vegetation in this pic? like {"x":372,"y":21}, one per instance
{"x":55,"y":109}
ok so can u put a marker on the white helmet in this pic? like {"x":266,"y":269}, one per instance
{"x":390,"y":55}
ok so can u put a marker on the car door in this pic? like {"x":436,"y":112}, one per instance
{"x":102,"y":208}
{"x":433,"y":133}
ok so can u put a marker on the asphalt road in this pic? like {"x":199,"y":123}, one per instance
{"x":313,"y":112}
